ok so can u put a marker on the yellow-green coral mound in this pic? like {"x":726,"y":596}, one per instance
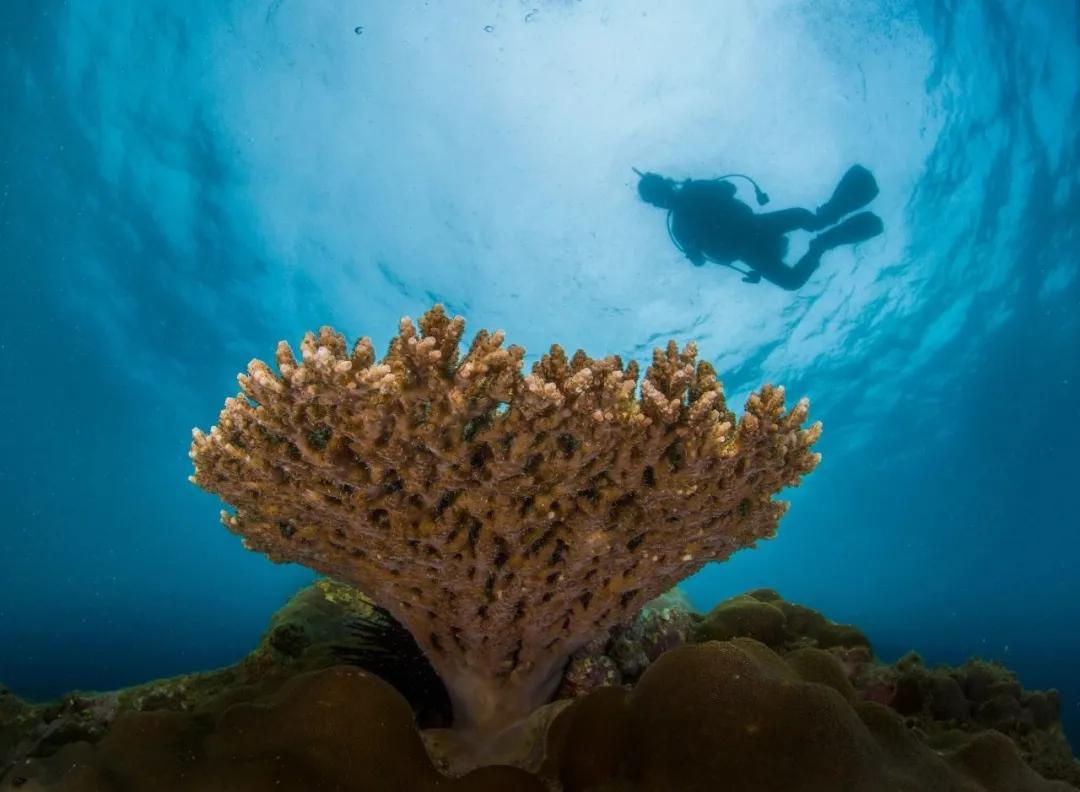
{"x":504,"y":519}
{"x":764,"y":615}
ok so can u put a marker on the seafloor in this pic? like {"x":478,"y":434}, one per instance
{"x":759,"y":694}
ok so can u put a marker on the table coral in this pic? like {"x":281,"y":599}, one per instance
{"x":505,"y":519}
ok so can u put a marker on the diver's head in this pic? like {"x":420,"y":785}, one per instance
{"x":656,"y":190}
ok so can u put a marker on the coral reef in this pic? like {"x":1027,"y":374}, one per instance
{"x":735,"y":715}
{"x":809,"y":713}
{"x":18,"y":719}
{"x":308,"y":633}
{"x":339,"y":728}
{"x":765,"y":616}
{"x":666,"y":622}
{"x":505,"y":520}
{"x":945,"y":705}
{"x":943,"y":708}
{"x":511,"y":534}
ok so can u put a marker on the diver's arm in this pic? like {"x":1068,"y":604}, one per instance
{"x":680,"y":234}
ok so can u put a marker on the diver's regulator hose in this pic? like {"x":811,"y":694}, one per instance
{"x":760,"y":195}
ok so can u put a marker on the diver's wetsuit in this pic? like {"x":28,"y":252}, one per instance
{"x":707,"y":221}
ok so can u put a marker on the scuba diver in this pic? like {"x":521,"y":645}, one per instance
{"x":707,"y":222}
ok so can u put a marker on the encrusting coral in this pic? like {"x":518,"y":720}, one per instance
{"x":506,"y":520}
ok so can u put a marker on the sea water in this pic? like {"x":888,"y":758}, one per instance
{"x":182,"y":185}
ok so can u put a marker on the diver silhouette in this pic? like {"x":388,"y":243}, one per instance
{"x":706,"y":222}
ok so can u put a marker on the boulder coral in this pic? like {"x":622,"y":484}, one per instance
{"x":505,"y":519}
{"x":734,"y":715}
{"x":762,"y":614}
{"x":339,"y":728}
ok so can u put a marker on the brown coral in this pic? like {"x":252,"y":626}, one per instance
{"x":337,"y":728}
{"x":506,"y":520}
{"x":736,"y":716}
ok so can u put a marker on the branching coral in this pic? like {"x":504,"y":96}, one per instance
{"x":505,"y":519}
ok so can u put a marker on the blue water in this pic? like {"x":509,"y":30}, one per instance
{"x":182,"y":185}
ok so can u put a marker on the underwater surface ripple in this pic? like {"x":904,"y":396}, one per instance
{"x":179,"y":189}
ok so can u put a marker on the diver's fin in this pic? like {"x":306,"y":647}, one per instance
{"x":857,"y":228}
{"x":856,"y":189}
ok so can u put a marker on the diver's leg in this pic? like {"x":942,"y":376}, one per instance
{"x":787,"y":220}
{"x":804,"y":268}
{"x":857,"y":228}
{"x":777,"y":272}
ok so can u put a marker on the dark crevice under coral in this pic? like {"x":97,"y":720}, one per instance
{"x":385,"y":648}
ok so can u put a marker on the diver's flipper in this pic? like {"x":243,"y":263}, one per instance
{"x":857,"y":228}
{"x":856,"y":189}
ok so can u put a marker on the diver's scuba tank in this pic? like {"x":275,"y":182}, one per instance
{"x":856,"y":189}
